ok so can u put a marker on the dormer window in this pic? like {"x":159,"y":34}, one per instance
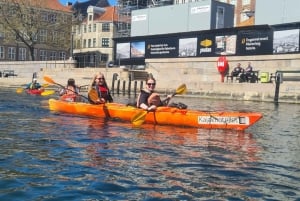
{"x":90,"y":17}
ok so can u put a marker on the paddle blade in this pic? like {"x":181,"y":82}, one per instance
{"x":19,"y":90}
{"x":45,"y":85}
{"x":93,"y":95}
{"x":181,"y":89}
{"x":49,"y":79}
{"x":47,"y":93}
{"x":139,"y":118}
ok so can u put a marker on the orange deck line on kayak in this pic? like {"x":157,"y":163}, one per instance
{"x":163,"y":115}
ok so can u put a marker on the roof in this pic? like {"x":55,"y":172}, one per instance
{"x":110,"y":14}
{"x":248,"y":22}
{"x":82,"y":6}
{"x":56,"y":5}
{"x":48,"y":4}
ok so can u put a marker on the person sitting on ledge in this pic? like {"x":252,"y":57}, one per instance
{"x":237,"y":70}
{"x":249,"y":74}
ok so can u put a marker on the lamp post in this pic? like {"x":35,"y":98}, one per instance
{"x":72,"y":45}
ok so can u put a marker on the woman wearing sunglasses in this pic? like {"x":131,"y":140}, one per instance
{"x":148,"y":99}
{"x":99,"y":91}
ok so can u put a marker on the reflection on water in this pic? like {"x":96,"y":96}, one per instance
{"x":50,"y":156}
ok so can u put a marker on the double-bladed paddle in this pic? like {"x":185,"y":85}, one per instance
{"x":20,"y":90}
{"x":47,"y":92}
{"x":139,"y":118}
{"x":50,"y":80}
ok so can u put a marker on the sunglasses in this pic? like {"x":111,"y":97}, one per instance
{"x":149,"y":84}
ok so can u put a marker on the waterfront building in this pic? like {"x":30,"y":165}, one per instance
{"x":93,"y":44}
{"x":34,"y":30}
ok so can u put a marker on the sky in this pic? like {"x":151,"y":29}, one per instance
{"x":64,"y":2}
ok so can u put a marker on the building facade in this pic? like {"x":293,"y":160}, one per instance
{"x":244,"y":11}
{"x":92,"y":39}
{"x":37,"y":30}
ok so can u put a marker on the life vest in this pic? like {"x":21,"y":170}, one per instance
{"x":154,"y":99}
{"x":69,"y":97}
{"x":70,"y":90}
{"x":103,"y":92}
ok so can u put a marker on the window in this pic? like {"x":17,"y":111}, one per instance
{"x":105,"y":42}
{"x":35,"y":53}
{"x":84,"y":28}
{"x":220,"y":17}
{"x":90,"y":28}
{"x":105,"y":27}
{"x":43,"y":55}
{"x":77,"y":45}
{"x":94,"y":27}
{"x":84,"y":43}
{"x":2,"y":55}
{"x":65,"y":18}
{"x":90,"y":17}
{"x":94,"y":42}
{"x":43,"y":35}
{"x":44,"y":16}
{"x":52,"y":17}
{"x":233,"y":2}
{"x":78,"y":30}
{"x":22,"y":54}
{"x":12,"y":53}
{"x":55,"y":37}
{"x":89,"y":43}
{"x":246,"y":2}
{"x":52,"y":55}
{"x":62,"y":55}
{"x":2,"y":31}
{"x":104,"y":58}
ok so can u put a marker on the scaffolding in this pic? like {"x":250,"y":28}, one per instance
{"x":124,"y":9}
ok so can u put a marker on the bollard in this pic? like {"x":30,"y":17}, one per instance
{"x":123,"y":88}
{"x":278,"y":80}
{"x":118,"y":87}
{"x":135,"y":86}
{"x":129,"y":85}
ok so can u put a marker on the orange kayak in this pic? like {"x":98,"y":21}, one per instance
{"x":162,"y":116}
{"x":68,"y":97}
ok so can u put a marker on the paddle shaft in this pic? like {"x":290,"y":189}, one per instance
{"x":69,"y":89}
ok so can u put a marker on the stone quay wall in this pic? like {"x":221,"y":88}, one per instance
{"x":199,"y":74}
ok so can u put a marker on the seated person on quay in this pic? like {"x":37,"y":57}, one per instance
{"x":237,"y":70}
{"x":148,"y":99}
{"x":248,"y":75}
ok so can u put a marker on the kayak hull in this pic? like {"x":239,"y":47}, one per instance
{"x":163,"y":115}
{"x":34,"y":91}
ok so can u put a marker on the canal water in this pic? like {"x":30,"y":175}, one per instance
{"x":50,"y":156}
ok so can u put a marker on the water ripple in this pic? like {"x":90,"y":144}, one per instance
{"x":50,"y":156}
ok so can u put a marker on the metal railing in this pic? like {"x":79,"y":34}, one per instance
{"x":282,"y":76}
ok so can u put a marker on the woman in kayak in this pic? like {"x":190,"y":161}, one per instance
{"x":99,"y":91}
{"x":70,"y":92}
{"x":148,"y":99}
